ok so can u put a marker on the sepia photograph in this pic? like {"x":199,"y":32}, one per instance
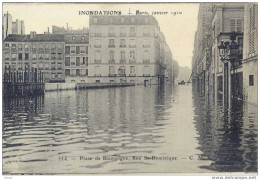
{"x":130,"y":88}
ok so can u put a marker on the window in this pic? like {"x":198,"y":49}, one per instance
{"x":26,"y":56}
{"x":67,"y":72}
{"x":252,"y":33}
{"x":111,"y":55}
{"x":121,"y":70}
{"x":20,"y":56}
{"x":73,"y":37}
{"x":47,"y":46}
{"x":47,"y":66}
{"x":132,"y":43}
{"x":20,"y":47}
{"x":6,"y":45}
{"x":67,"y":61}
{"x":73,"y":72}
{"x":77,"y":61}
{"x":83,"y":72}
{"x":47,"y":56}
{"x":236,"y":25}
{"x":41,"y":66}
{"x":111,"y":42}
{"x":73,"y":81}
{"x":72,"y":49}
{"x":111,"y":70}
{"x":132,"y":54}
{"x":77,"y":49}
{"x":67,"y":49}
{"x":72,"y":61}
{"x":97,"y":43}
{"x":146,"y":70}
{"x":122,"y":43}
{"x":77,"y":72}
{"x":82,"y":49}
{"x":132,"y":70}
{"x":83,"y":38}
{"x":40,"y":56}
{"x":132,"y":29}
{"x":59,"y":65}
{"x":122,"y":55}
{"x":13,"y":56}
{"x":251,"y":80}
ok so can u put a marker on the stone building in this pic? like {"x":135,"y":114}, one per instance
{"x":76,"y":56}
{"x":212,"y":77}
{"x":125,"y":49}
{"x":42,"y":51}
{"x":250,"y":53}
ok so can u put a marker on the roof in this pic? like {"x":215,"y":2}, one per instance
{"x":35,"y":38}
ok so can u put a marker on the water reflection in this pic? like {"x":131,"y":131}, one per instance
{"x":228,"y":138}
{"x":132,"y":121}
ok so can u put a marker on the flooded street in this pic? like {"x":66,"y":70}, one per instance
{"x":168,"y":130}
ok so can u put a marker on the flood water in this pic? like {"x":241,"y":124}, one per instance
{"x":168,"y":129}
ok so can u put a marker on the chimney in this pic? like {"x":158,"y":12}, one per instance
{"x":48,"y":30}
{"x":32,"y":34}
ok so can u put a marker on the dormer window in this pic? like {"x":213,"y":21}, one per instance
{"x":83,"y":37}
{"x":73,"y":37}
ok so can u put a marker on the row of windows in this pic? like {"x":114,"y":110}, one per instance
{"x":76,"y":72}
{"x":76,"y":50}
{"x":76,"y":61}
{"x":122,"y":70}
{"x":34,"y":46}
{"x":25,"y":56}
{"x":132,"y":55}
{"x":122,"y":20}
{"x":122,"y":43}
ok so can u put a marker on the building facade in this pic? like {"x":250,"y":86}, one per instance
{"x":213,"y":78}
{"x":42,"y":51}
{"x":250,"y":53}
{"x":125,"y":49}
{"x":76,"y":57}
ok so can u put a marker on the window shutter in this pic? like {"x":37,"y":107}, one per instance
{"x":232,"y":25}
{"x":239,"y":25}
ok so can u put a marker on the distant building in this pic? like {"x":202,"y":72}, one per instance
{"x":250,"y":53}
{"x":125,"y":49}
{"x":10,"y":27}
{"x":42,"y":51}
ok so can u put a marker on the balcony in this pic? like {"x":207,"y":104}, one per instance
{"x":132,"y":34}
{"x":111,"y":46}
{"x":53,"y":49}
{"x":146,"y":34}
{"x":111,"y":61}
{"x":132,"y":75}
{"x":123,"y":34}
{"x":97,"y":46}
{"x":112,"y":75}
{"x":41,"y":58}
{"x":132,"y":46}
{"x":97,"y":61}
{"x":82,"y":52}
{"x":47,"y":58}
{"x":53,"y":68}
{"x":146,"y":75}
{"x":122,"y":61}
{"x":111,"y":34}
{"x":122,"y":46}
{"x":122,"y":75}
{"x":26,"y":49}
{"x":97,"y":75}
{"x":132,"y":61}
{"x":20,"y":49}
{"x":146,"y":61}
{"x":13,"y":49}
{"x":146,"y":46}
{"x":97,"y":34}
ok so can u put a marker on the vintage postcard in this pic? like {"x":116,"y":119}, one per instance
{"x":129,"y":88}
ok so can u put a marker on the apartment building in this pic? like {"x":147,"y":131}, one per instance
{"x":76,"y":57}
{"x":125,"y":49}
{"x":10,"y":27}
{"x":250,"y":53}
{"x":42,"y":51}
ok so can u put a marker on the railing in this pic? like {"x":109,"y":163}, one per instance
{"x":122,"y":46}
{"x":97,"y":61}
{"x":111,"y":34}
{"x":146,"y":75}
{"x":132,"y":61}
{"x":97,"y":46}
{"x":146,"y":61}
{"x":132,"y":75}
{"x":111,"y":61}
{"x":132,"y":46}
{"x":111,"y":46}
{"x":122,"y":75}
{"x":97,"y":75}
{"x":111,"y":75}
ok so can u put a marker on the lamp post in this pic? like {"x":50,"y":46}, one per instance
{"x":228,"y":52}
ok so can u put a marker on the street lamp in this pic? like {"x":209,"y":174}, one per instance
{"x":228,"y":52}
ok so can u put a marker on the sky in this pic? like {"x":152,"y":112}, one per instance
{"x":178,"y":25}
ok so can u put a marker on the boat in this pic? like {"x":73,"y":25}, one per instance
{"x":181,"y":83}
